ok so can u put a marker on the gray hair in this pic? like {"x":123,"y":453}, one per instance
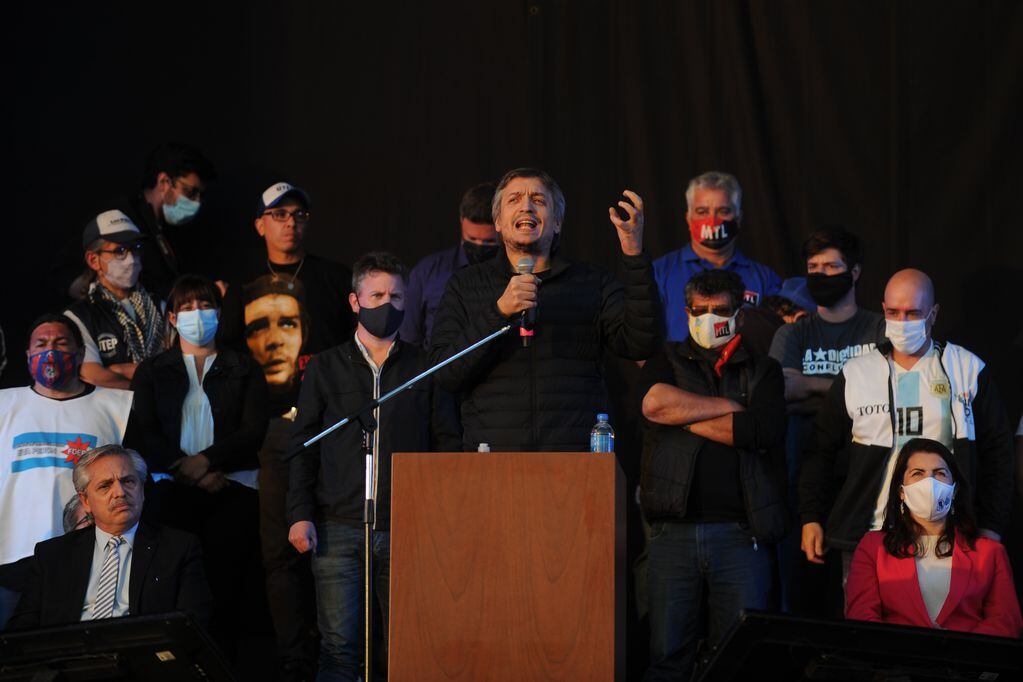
{"x":80,"y":476}
{"x":71,"y":509}
{"x":725,"y":182}
{"x":552,"y":186}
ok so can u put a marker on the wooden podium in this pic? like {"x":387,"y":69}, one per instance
{"x":507,"y":566}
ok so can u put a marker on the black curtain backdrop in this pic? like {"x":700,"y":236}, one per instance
{"x":898,"y":119}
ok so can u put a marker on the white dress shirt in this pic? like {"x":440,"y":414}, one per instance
{"x":123,"y":572}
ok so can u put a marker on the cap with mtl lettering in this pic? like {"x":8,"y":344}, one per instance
{"x":114,"y":226}
{"x":276,"y":193}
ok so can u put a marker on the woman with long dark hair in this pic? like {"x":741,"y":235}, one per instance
{"x":929,"y":567}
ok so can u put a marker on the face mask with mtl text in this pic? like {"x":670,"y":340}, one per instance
{"x":710,"y":330}
{"x":713,"y":233}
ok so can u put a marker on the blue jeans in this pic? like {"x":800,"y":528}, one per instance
{"x":337,"y":571}
{"x":687,"y":560}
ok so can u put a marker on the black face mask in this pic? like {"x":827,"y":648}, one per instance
{"x":381,"y":321}
{"x":478,"y":253}
{"x":827,"y":290}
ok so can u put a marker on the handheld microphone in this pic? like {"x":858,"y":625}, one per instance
{"x":525,"y":267}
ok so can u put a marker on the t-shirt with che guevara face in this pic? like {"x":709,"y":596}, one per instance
{"x":283,"y":315}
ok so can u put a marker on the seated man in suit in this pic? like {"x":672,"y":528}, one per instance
{"x":118,"y":568}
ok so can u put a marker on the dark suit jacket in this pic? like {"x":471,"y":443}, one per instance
{"x":166,"y":575}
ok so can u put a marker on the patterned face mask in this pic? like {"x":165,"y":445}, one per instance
{"x":52,"y":368}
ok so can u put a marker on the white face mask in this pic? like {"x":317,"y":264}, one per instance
{"x":907,"y":337}
{"x":124,"y":274}
{"x":929,"y":498}
{"x":712,"y":331}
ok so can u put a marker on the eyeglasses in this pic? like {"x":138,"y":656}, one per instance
{"x":121,"y":252}
{"x":720,"y":310}
{"x":193,"y":192}
{"x":281,"y":215}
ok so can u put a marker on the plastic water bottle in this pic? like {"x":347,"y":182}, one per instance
{"x":602,"y":437}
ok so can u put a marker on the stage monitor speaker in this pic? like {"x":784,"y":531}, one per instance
{"x":145,"y":648}
{"x":765,"y":646}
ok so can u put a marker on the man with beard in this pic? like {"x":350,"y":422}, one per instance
{"x":714,"y":217}
{"x":44,"y":429}
{"x":428,"y":278}
{"x":283,"y":215}
{"x":542,"y":392}
{"x":288,"y":306}
{"x":120,"y":322}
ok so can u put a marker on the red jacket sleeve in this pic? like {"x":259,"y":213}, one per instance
{"x":1001,"y":608}
{"x":862,"y":592}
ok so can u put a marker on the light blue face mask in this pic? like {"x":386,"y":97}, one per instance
{"x":198,"y":327}
{"x":181,"y":211}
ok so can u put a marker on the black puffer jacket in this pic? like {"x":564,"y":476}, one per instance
{"x":545,"y":397}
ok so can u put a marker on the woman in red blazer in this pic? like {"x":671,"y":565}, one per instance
{"x":928,"y":567}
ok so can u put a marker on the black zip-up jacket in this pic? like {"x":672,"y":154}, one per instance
{"x":237,"y":393}
{"x":758,"y":433}
{"x":547,"y":396}
{"x":327,"y":479}
{"x":982,"y":444}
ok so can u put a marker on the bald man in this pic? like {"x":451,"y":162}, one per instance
{"x":910,"y":386}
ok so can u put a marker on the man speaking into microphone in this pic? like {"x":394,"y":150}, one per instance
{"x":541,"y":388}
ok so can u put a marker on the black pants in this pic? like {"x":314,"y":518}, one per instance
{"x":227,"y":526}
{"x":289,"y":579}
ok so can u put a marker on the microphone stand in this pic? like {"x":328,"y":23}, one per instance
{"x":369,"y":519}
{"x":364,"y":415}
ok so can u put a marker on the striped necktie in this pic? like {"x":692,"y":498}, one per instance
{"x":106,"y":595}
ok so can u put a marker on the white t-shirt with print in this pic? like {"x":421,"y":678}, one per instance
{"x":41,"y":439}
